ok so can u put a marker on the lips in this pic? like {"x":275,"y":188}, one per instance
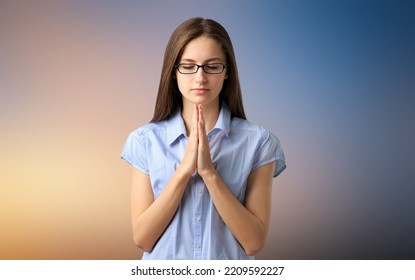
{"x":200,"y":90}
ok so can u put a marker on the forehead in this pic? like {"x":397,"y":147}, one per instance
{"x":203,"y":48}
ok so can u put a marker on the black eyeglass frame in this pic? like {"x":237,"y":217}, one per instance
{"x":203,"y":67}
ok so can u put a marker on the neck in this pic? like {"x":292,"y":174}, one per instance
{"x":210,"y":114}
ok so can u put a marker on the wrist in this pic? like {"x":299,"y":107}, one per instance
{"x":183,"y":172}
{"x":208,"y":175}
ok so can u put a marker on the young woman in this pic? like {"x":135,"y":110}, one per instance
{"x":201,"y":173}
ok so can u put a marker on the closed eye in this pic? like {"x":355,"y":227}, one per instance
{"x":213,"y":67}
{"x":188,"y":66}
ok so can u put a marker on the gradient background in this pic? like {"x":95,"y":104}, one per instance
{"x":334,"y":80}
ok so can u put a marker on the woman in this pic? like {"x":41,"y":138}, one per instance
{"x":201,"y":173}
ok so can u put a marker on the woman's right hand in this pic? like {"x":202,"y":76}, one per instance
{"x":189,"y":162}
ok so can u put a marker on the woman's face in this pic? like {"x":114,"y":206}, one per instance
{"x":200,"y":87}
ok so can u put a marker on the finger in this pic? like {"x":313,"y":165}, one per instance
{"x":202,"y":128}
{"x":203,"y":142}
{"x":201,"y":117}
{"x":197,"y":113}
{"x":194,"y":126}
{"x":204,"y":161}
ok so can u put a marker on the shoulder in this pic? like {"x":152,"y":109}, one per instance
{"x":149,"y":129}
{"x":254,"y":133}
{"x":246,"y":127}
{"x":266,"y":146}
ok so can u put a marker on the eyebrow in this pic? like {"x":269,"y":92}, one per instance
{"x":206,"y":61}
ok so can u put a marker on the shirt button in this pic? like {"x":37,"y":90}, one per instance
{"x":200,"y":191}
{"x":198,"y":245}
{"x":198,"y":218}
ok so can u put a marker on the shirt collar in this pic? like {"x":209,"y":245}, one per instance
{"x":176,"y":127}
{"x":224,"y":120}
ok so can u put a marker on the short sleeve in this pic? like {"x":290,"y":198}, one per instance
{"x":270,"y":150}
{"x":134,"y":151}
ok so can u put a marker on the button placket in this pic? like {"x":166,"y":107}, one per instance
{"x":197,"y":218}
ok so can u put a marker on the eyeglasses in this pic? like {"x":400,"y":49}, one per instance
{"x":214,"y":68}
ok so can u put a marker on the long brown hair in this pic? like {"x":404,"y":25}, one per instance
{"x":169,"y":98}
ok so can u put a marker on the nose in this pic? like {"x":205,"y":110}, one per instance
{"x":200,"y":76}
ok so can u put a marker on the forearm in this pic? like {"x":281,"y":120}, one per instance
{"x":247,"y":228}
{"x":151,"y":223}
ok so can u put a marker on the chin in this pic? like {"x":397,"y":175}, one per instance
{"x":202,"y":100}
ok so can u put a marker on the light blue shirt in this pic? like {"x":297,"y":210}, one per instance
{"x":237,"y":148}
